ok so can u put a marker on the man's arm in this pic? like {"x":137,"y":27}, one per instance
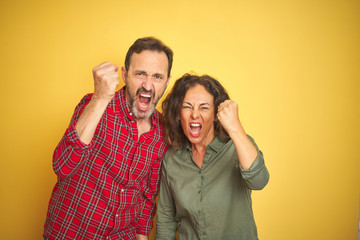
{"x":73,"y":147}
{"x":106,"y":80}
{"x":70,"y":151}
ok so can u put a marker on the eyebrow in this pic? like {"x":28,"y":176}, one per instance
{"x":144,"y":72}
{"x":201,"y":104}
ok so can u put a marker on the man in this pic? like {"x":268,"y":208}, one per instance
{"x":108,"y":161}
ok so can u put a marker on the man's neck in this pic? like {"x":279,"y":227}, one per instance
{"x":143,"y":125}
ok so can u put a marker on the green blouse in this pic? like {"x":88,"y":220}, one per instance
{"x":211,"y":202}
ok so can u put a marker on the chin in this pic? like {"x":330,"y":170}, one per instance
{"x":194,"y":140}
{"x":143,"y":115}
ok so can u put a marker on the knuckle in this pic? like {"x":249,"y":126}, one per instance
{"x":98,"y":72}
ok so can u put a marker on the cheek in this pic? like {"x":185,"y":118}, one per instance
{"x":209,"y":119}
{"x":136,"y":83}
{"x":132,"y":87}
{"x":159,"y":89}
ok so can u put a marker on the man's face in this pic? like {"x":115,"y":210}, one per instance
{"x":146,"y":81}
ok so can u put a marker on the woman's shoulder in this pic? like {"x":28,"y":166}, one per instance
{"x":173,"y":155}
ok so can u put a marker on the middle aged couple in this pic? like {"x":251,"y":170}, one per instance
{"x":118,"y":150}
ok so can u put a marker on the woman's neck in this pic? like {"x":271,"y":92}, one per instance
{"x":198,"y":153}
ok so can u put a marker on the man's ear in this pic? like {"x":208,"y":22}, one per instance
{"x":123,"y":74}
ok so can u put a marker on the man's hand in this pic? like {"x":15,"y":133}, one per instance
{"x":106,"y":80}
{"x":141,"y":237}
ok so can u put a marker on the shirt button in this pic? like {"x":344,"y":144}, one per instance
{"x":131,"y":114}
{"x":122,"y":190}
{"x":117,"y":215}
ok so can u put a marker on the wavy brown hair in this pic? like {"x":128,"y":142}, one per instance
{"x":171,"y":107}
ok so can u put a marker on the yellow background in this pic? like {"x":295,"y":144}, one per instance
{"x":292,"y":66}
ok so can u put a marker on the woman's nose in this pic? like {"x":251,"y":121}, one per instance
{"x":194,"y":113}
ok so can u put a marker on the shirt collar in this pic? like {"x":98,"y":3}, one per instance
{"x":215,"y":145}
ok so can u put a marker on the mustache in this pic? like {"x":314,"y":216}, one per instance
{"x":143,"y":90}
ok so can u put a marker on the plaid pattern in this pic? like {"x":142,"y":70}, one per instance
{"x":107,"y":189}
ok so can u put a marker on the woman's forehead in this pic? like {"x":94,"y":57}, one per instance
{"x":198,"y":94}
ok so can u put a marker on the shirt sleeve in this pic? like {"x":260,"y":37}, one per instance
{"x":149,"y":206}
{"x":71,"y":151}
{"x":166,"y":225}
{"x":257,"y":176}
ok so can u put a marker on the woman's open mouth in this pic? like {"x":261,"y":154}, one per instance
{"x":195,"y":129}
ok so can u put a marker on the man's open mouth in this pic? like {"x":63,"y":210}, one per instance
{"x":144,"y":101}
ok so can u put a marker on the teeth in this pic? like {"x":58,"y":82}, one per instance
{"x":195,"y":125}
{"x":146,"y":95}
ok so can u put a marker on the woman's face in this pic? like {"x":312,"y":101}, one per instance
{"x":197,"y":115}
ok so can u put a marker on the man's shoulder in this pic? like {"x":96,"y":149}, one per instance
{"x":157,"y":120}
{"x":86,"y":98}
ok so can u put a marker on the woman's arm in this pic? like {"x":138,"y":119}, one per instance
{"x":253,"y":169}
{"x":229,"y":119}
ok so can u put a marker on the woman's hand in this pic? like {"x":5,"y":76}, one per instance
{"x":228,"y":116}
{"x":229,"y":119}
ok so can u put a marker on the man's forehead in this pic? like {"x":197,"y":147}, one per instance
{"x":149,"y":61}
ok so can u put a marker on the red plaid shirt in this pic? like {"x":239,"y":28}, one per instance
{"x":107,"y":189}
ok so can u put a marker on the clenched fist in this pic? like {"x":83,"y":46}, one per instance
{"x":228,"y":117}
{"x":106,"y":80}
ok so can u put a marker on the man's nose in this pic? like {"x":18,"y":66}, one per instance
{"x":147,"y":83}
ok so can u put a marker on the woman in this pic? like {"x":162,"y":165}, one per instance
{"x":211,"y":167}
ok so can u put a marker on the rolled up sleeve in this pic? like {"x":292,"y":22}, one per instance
{"x":257,"y":176}
{"x":71,"y":151}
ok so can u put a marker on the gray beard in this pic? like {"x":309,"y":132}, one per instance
{"x":136,"y":113}
{"x":144,"y":115}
